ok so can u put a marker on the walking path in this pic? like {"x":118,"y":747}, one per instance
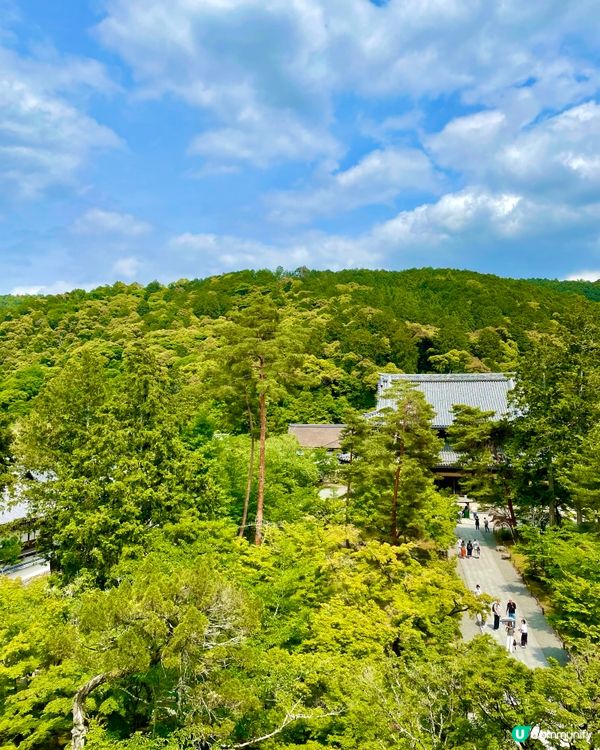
{"x":498,"y":578}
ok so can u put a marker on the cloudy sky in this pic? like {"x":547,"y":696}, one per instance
{"x":144,"y":139}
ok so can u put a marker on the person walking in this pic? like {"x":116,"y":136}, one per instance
{"x":476,"y":522}
{"x":524,"y":631}
{"x":496,"y":613}
{"x":510,"y":636}
{"x":469,"y":549}
{"x":476,"y":549}
{"x":463,"y":549}
{"x":511,"y":609}
{"x":479,"y":620}
{"x":458,"y":546}
{"x":486,"y":525}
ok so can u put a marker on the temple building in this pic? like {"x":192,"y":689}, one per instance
{"x":487,"y":391}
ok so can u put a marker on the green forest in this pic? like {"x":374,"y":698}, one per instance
{"x":204,"y":594}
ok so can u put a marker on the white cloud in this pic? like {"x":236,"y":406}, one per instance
{"x":558,"y":155}
{"x":263,"y":137}
{"x":97,"y":221}
{"x":584,"y":276}
{"x":467,"y":224}
{"x":217,"y":253}
{"x":376,"y":179}
{"x":57,"y":287}
{"x":44,"y":139}
{"x":268,"y":71}
{"x":128,"y":268}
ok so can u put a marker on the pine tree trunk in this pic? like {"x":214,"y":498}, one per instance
{"x":347,"y":501}
{"x":394,"y":524}
{"x":248,"y":488}
{"x":262,"y":405}
{"x":511,"y":512}
{"x":510,"y":506}
{"x":552,"y":511}
{"x":348,"y":490}
{"x":250,"y":470}
{"x":578,"y":515}
{"x":80,"y":728}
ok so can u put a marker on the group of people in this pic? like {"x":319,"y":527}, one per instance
{"x":510,"y":622}
{"x":473,"y":549}
{"x":468,"y":549}
{"x":486,"y":523}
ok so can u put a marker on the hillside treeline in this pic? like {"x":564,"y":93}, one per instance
{"x":205,"y":594}
{"x":426,"y":320}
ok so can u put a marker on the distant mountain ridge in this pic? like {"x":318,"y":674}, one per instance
{"x":417,"y":320}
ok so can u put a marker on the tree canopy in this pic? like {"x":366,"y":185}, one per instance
{"x":145,"y":427}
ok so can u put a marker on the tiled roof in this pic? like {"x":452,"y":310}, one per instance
{"x":448,"y":458}
{"x":487,"y":391}
{"x":317,"y":435}
{"x":14,"y":512}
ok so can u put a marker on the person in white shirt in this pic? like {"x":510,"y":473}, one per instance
{"x":524,"y":631}
{"x":496,"y":613}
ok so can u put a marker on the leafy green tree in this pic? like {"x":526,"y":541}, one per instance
{"x":582,"y":478}
{"x":392,"y":477}
{"x":111,"y":461}
{"x":456,"y":361}
{"x":556,"y":397}
{"x":480,"y":440}
{"x":566,"y":562}
{"x":260,"y":348}
{"x":6,"y":459}
{"x":37,"y":677}
{"x":356,"y":432}
{"x":10,"y":549}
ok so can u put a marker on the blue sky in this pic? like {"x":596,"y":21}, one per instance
{"x":144,"y":139}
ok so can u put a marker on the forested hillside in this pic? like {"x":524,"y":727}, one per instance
{"x":205,"y":595}
{"x":413,"y":321}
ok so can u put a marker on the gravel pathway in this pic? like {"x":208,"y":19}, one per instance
{"x":498,"y":578}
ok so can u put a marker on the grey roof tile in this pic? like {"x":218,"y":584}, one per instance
{"x":487,"y":391}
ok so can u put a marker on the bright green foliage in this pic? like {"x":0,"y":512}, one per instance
{"x":567,"y":562}
{"x":255,"y":357}
{"x":37,"y":674}
{"x":480,"y":441}
{"x":291,"y":481}
{"x":392,"y":491}
{"x":582,"y":479}
{"x":572,"y":696}
{"x":136,"y":407}
{"x":456,"y":361}
{"x":373,"y":318}
{"x":10,"y":549}
{"x":306,"y":639}
{"x":195,"y":653}
{"x":558,"y":382}
{"x":5,"y":454}
{"x":109,"y":462}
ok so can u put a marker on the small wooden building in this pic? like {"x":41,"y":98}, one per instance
{"x":317,"y":435}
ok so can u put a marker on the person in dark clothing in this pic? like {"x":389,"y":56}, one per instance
{"x":511,"y":609}
{"x":476,"y":522}
{"x":510,"y":636}
{"x":496,"y":613}
{"x":469,"y":549}
{"x":486,"y":525}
